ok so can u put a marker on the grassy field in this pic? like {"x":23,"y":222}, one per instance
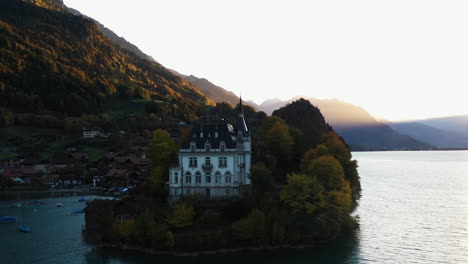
{"x":4,"y":155}
{"x":95,"y":153}
{"x":25,"y":132}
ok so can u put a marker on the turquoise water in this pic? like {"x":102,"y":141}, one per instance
{"x":414,"y":209}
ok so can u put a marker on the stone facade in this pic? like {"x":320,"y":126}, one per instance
{"x":214,"y":162}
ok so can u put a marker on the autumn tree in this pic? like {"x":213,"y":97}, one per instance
{"x":182,"y":215}
{"x":250,"y":229}
{"x":162,"y":151}
{"x":328,"y":172}
{"x":302,"y":194}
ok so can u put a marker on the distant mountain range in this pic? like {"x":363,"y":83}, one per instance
{"x":360,"y":129}
{"x":446,"y":133}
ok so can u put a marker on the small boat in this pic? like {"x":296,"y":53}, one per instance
{"x":8,"y":219}
{"x":82,"y":199}
{"x":78,"y":211}
{"x":38,"y":202}
{"x":15,"y":205}
{"x":24,"y":229}
{"x":59,"y":204}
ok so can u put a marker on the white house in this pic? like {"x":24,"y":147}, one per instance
{"x":94,"y":133}
{"x":214,"y":161}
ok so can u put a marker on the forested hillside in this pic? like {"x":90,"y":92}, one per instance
{"x":57,"y":62}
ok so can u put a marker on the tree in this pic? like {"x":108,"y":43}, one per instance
{"x":262,"y":179}
{"x":302,"y":194}
{"x":312,"y":154}
{"x":6,"y":117}
{"x":162,"y":151}
{"x":337,"y":147}
{"x":252,"y":228}
{"x":182,"y":215}
{"x":328,"y":171}
{"x":279,"y":142}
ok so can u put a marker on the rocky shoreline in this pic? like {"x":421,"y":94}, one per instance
{"x":223,"y":251}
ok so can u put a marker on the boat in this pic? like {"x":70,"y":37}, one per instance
{"x":78,"y":211}
{"x":59,"y":204}
{"x":8,"y":219}
{"x":24,"y":229}
{"x":15,"y":205}
{"x":82,"y":199}
{"x":38,"y":202}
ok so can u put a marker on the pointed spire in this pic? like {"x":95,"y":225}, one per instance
{"x":241,"y":109}
{"x":241,"y":125}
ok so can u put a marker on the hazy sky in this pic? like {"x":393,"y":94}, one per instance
{"x":397,"y":59}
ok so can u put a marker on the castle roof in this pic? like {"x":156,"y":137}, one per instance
{"x":213,"y":132}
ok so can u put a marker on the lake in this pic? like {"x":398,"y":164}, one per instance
{"x":414,"y":209}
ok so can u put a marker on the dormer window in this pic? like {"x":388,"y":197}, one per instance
{"x":222,"y":146}
{"x":207,"y":147}
{"x":192,"y":146}
{"x":216,"y":134}
{"x":201,"y":134}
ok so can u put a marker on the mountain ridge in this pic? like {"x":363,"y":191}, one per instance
{"x":360,"y":129}
{"x":63,"y":63}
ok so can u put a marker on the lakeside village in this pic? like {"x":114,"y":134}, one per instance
{"x":215,"y":159}
{"x":77,"y":162}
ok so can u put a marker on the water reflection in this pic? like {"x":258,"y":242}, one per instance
{"x":343,"y":250}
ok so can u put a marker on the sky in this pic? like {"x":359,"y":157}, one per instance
{"x":399,"y":59}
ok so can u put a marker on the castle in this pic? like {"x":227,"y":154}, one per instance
{"x":214,"y":162}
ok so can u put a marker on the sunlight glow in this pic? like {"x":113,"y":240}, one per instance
{"x":397,"y":59}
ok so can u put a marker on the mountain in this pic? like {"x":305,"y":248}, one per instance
{"x":52,"y":61}
{"x":111,"y":35}
{"x":457,"y":124}
{"x":434,"y":136}
{"x":360,"y":130}
{"x":56,"y":5}
{"x":215,"y":93}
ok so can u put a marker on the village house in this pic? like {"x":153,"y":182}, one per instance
{"x":19,"y":175}
{"x":214,"y":162}
{"x":95,"y":132}
{"x":122,"y":169}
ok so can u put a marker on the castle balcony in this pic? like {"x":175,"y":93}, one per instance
{"x":207,"y":168}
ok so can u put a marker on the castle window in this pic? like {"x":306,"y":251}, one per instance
{"x":176,"y":179}
{"x":228,"y":177}
{"x":217,"y":177}
{"x":176,"y":191}
{"x":193,"y":162}
{"x":198,"y":179}
{"x":188,"y":177}
{"x":208,"y":179}
{"x":207,"y":161}
{"x":207,"y":147}
{"x":228,"y":192}
{"x":192,"y":146}
{"x":222,"y":162}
